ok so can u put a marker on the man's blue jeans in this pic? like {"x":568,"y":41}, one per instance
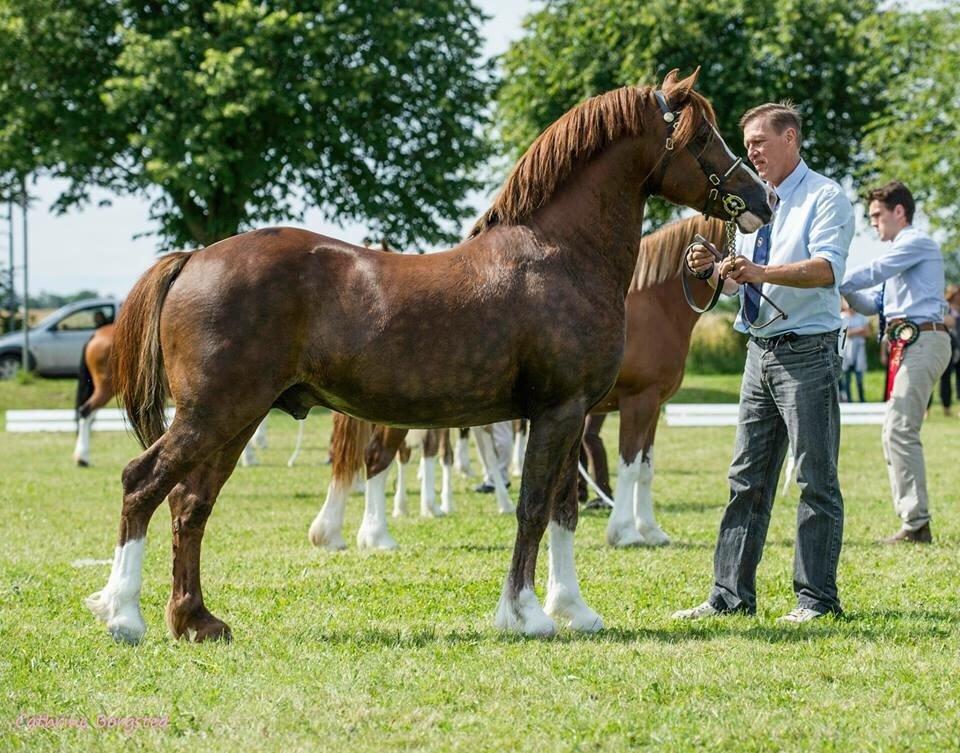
{"x":789,"y":394}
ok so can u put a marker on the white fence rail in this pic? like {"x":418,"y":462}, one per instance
{"x":107,"y":419}
{"x":725,"y":414}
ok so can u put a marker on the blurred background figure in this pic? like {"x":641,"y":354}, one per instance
{"x":857,"y":327}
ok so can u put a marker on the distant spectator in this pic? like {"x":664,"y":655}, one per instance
{"x":952,"y":372}
{"x":854,"y":351}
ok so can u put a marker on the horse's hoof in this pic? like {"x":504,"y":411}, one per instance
{"x":210,"y":629}
{"x":124,"y":622}
{"x":197,"y":625}
{"x":323,"y":535}
{"x":571,"y":610}
{"x":654,"y":536}
{"x":81,"y":463}
{"x":375,"y":539}
{"x":623,"y":535}
{"x":523,"y":615}
{"x":431,"y":511}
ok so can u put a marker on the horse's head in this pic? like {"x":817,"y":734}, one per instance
{"x":698,"y":169}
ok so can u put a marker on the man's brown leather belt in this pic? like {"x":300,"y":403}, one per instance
{"x":925,"y":327}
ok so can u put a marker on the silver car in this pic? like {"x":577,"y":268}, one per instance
{"x":56,"y":343}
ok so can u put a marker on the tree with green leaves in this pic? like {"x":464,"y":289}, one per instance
{"x":227,"y":114}
{"x":915,"y":138}
{"x":813,"y":52}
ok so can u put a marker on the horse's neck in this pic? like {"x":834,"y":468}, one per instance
{"x":597,"y":216}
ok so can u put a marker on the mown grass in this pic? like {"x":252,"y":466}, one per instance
{"x":396,"y":651}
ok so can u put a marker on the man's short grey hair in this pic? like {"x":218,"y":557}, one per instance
{"x":780,"y":116}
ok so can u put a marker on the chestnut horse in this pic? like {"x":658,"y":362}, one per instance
{"x":352,"y":441}
{"x":94,"y":388}
{"x":524,"y":318}
{"x":357,"y":446}
{"x":659,"y":325}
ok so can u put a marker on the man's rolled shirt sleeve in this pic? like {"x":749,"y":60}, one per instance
{"x":831,"y":232}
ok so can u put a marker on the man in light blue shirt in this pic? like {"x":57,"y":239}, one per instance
{"x":789,"y":394}
{"x":913,"y":281}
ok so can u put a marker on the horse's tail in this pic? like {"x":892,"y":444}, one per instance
{"x":137,"y":361}
{"x":84,"y":383}
{"x":350,"y":438}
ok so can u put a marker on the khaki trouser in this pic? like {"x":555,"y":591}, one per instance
{"x":923,"y":363}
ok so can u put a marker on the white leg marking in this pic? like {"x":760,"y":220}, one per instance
{"x":259,"y":437}
{"x":502,"y":433}
{"x":621,"y":530}
{"x":791,"y":475}
{"x":523,"y":614}
{"x":81,"y":453}
{"x":248,"y":457}
{"x":489,"y":459}
{"x":519,"y":453}
{"x":652,"y":534}
{"x":118,"y":604}
{"x":296,"y":449}
{"x":400,"y":495}
{"x":327,"y":528}
{"x":428,"y":492}
{"x":564,"y":602}
{"x":461,"y":457}
{"x":373,"y":533}
{"x":446,"y":488}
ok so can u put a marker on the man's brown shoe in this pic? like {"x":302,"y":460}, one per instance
{"x":921,"y":536}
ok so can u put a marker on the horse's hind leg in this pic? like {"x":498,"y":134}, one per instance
{"x":191,"y":503}
{"x":147,"y":480}
{"x":519,"y":446}
{"x":553,"y":438}
{"x":462,"y":453}
{"x":564,"y":602}
{"x":428,"y":465}
{"x":102,"y":392}
{"x":446,"y":471}
{"x":653,"y":534}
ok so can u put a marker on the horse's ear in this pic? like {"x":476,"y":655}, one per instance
{"x":677,"y":90}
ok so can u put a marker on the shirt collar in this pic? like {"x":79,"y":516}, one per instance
{"x":790,"y":183}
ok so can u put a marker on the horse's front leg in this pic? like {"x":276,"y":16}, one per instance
{"x":564,"y":602}
{"x":553,"y":435}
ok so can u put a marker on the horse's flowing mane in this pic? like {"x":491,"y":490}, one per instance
{"x":661,"y":252}
{"x":576,"y":136}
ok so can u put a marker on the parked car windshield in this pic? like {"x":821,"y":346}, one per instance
{"x":90,"y":318}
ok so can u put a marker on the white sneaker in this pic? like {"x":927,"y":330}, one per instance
{"x":698,"y":612}
{"x":800,"y":615}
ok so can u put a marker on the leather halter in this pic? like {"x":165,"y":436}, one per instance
{"x":718,"y":198}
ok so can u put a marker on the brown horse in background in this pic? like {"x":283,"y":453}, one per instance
{"x":355,"y":442}
{"x":357,"y":447}
{"x":525,"y":318}
{"x":94,"y":387}
{"x":659,"y":325}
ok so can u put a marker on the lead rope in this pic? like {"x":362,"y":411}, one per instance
{"x":730,"y":250}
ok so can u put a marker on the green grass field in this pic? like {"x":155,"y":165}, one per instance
{"x":396,"y":651}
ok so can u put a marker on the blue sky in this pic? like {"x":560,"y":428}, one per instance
{"x":95,"y":248}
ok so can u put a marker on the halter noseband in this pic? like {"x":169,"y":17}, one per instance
{"x":718,"y":197}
